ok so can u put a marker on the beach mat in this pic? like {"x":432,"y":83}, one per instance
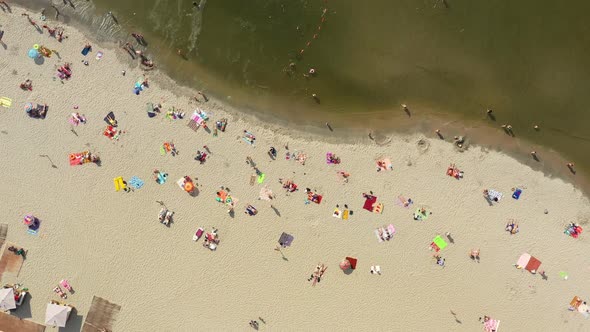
{"x":9,"y":262}
{"x":5,"y":102}
{"x":369,"y":203}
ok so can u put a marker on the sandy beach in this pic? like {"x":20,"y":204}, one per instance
{"x":110,"y":244}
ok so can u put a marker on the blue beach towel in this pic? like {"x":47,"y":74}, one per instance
{"x":85,"y":50}
{"x":136,"y":182}
{"x":516,"y":194}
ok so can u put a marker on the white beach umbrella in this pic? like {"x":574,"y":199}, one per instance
{"x":57,"y":315}
{"x":7,"y":299}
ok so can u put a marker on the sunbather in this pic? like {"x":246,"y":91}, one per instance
{"x":250,"y":210}
{"x":511,"y":227}
{"x":474,"y":254}
{"x":27,"y":85}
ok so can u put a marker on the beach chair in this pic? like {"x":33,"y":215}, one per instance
{"x":65,"y":284}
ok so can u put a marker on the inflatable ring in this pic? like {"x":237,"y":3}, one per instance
{"x":189,"y":186}
{"x":36,"y":46}
{"x":72,"y":156}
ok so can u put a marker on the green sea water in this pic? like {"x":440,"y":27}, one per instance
{"x":527,"y":60}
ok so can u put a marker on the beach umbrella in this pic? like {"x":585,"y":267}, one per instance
{"x":345,"y":265}
{"x":28,"y":107}
{"x":286,"y":239}
{"x":57,"y":315}
{"x":7,"y":299}
{"x":33,"y":53}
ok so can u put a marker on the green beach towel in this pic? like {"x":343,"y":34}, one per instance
{"x":440,"y":242}
{"x":261,"y":177}
{"x":420,"y":215}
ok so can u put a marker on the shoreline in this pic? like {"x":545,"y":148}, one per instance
{"x":110,"y":244}
{"x":482,"y":133}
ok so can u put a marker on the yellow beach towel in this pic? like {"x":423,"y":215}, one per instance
{"x":6,"y":102}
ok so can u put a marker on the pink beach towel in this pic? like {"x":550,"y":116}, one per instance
{"x":491,"y":325}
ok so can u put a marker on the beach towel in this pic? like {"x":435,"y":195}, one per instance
{"x":491,"y":325}
{"x":516,"y":193}
{"x":385,"y":233}
{"x":314,"y":197}
{"x":418,"y":215}
{"x":85,"y":50}
{"x":369,"y":201}
{"x":494,"y":195}
{"x":119,"y":183}
{"x":345,"y":214}
{"x":378,"y":208}
{"x":352,"y":261}
{"x":286,"y":239}
{"x":5,"y":102}
{"x":110,"y":119}
{"x":76,"y":159}
{"x":438,"y":243}
{"x":150,"y":110}
{"x":575,"y":303}
{"x":337,"y":214}
{"x":332,"y":159}
{"x":249,"y":138}
{"x":261,"y":177}
{"x":136,"y":182}
{"x":384,"y":164}
{"x":523,"y":260}
{"x":533,"y":265}
{"x":404,"y":202}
